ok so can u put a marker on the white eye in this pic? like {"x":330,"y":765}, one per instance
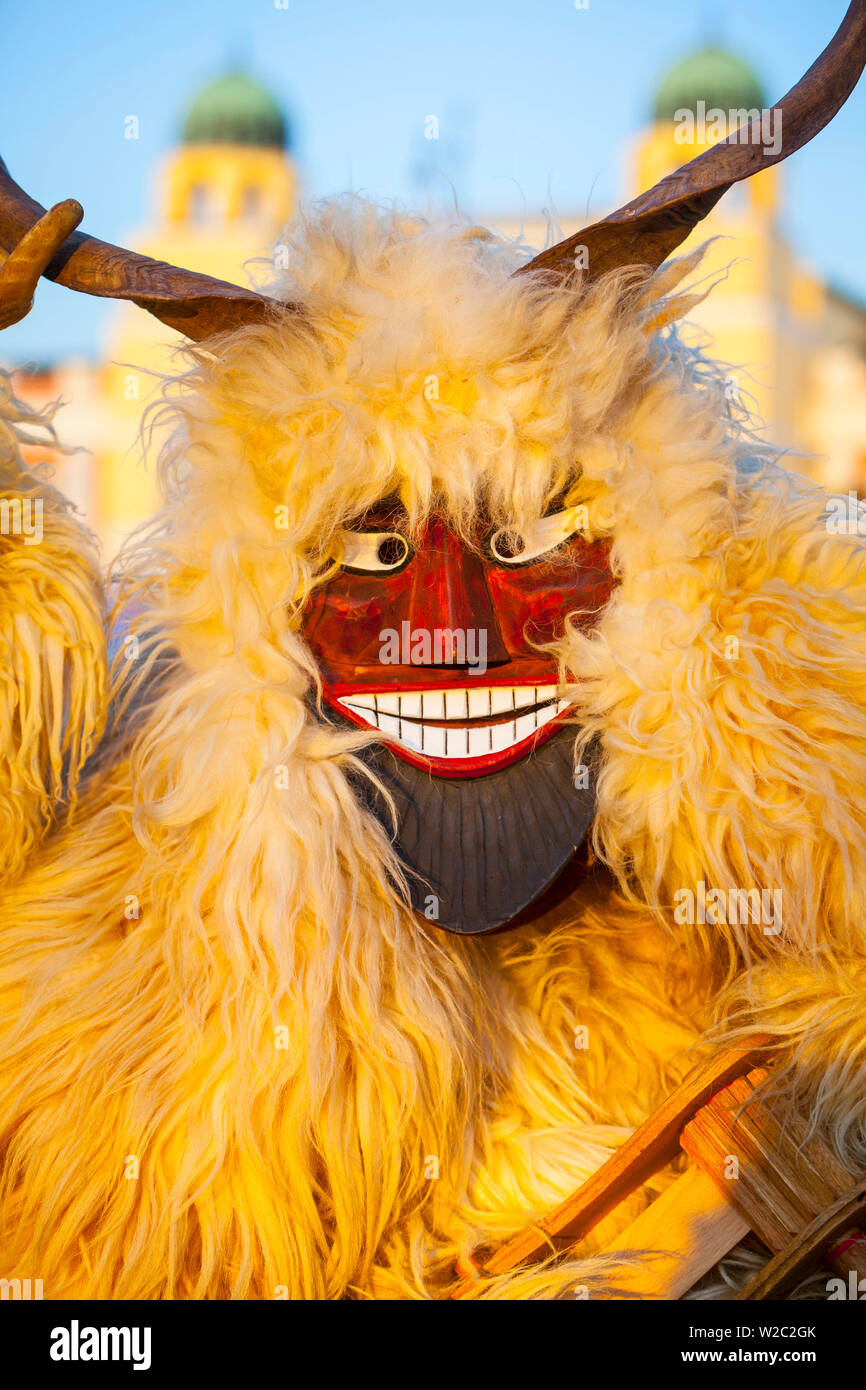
{"x":374,"y":552}
{"x":512,"y":547}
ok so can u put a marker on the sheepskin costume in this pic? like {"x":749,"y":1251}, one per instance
{"x":233,"y":1063}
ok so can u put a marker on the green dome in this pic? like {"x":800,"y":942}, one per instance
{"x":712,"y":75}
{"x":235,"y":110}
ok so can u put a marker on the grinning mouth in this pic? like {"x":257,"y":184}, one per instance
{"x":471,"y":722}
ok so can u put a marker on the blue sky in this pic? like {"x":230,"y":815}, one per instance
{"x":536,"y":101}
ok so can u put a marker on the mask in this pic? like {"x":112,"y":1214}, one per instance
{"x":435,"y":644}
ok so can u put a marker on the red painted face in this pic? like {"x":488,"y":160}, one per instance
{"x":435,"y":643}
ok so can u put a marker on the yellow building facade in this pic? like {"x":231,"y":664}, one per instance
{"x":222,"y":198}
{"x":796,"y":347}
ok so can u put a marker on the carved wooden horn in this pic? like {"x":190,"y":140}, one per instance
{"x":43,"y":243}
{"x":646,"y":230}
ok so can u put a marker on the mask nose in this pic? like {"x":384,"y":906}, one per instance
{"x":449,"y":593}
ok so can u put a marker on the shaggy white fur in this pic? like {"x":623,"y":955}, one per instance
{"x":233,"y":1064}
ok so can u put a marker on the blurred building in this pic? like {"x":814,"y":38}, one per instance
{"x":795,"y":344}
{"x":222,"y":197}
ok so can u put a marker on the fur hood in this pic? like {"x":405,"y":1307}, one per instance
{"x":208,"y":965}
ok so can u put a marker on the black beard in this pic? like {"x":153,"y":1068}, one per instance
{"x":478,"y":850}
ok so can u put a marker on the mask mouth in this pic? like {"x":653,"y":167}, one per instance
{"x":478,"y":850}
{"x":462,"y":731}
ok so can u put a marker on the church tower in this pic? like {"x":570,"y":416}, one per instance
{"x":744,"y":314}
{"x":222,"y":198}
{"x":794,"y":344}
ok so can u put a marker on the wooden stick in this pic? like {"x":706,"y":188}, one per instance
{"x":691,"y":1226}
{"x":653,"y":1144}
{"x":784,"y":1180}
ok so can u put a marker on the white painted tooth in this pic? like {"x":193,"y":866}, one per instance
{"x":456,"y":704}
{"x":433,"y":740}
{"x":503,"y":736}
{"x":524,"y":695}
{"x":363,"y":702}
{"x":545,"y":715}
{"x":457,"y":743}
{"x":410,"y":705}
{"x":525,"y":726}
{"x":367,"y":715}
{"x":561,"y":705}
{"x":410,"y":737}
{"x":389,"y":724}
{"x":479,"y":702}
{"x":389,"y":704}
{"x":433,"y":706}
{"x":502,"y":698}
{"x":479,"y":741}
{"x":544,"y":692}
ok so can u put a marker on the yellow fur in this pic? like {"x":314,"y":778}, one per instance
{"x":52,"y":647}
{"x":232,"y":1062}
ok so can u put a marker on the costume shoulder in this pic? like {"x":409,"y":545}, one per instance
{"x":52,"y":640}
